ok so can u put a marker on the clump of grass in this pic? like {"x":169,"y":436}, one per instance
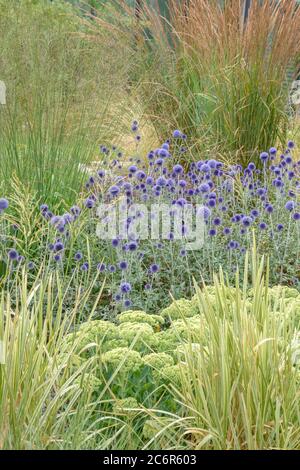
{"x":221,"y":79}
{"x":60,"y":104}
{"x":45,"y":400}
{"x":239,"y":385}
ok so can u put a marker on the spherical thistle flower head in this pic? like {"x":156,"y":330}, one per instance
{"x":147,"y":286}
{"x":114,"y":190}
{"x":291,"y":144}
{"x":57,"y":258}
{"x":159,"y":162}
{"x":212,"y":232}
{"x":43,"y":207}
{"x":154,"y":268}
{"x":134,"y":127}
{"x":182,"y":183}
{"x":288,"y":159}
{"x":290,"y":205}
{"x":269,"y":208}
{"x":181,"y":201}
{"x":251,"y":166}
{"x":3,"y":204}
{"x":232,"y":245}
{"x":177,"y":169}
{"x":112,"y":268}
{"x":132,"y":246}
{"x":280,"y":227}
{"x":254,"y":213}
{"x":101,"y":173}
{"x":296,"y":216}
{"x":13,"y":254}
{"x":217,"y":221}
{"x":30,"y":265}
{"x":89,"y":203}
{"x":101,"y":267}
{"x":262,"y":226}
{"x":204,"y":188}
{"x":138,"y":137}
{"x":149,"y":180}
{"x":272,"y":151}
{"x":115,"y":242}
{"x":161,"y":181}
{"x":205,"y":211}
{"x":123,"y":265}
{"x":211,"y":203}
{"x":247,"y":221}
{"x":264,"y":156}
{"x":127,"y":303}
{"x":226,"y":231}
{"x":58,"y":246}
{"x":84,"y":266}
{"x":125,"y":287}
{"x":182,"y":252}
{"x":177,"y":134}
{"x":78,"y":256}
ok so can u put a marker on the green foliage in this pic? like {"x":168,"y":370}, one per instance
{"x":59,"y":98}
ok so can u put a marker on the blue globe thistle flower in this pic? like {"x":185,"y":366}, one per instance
{"x":247,"y":221}
{"x":177,"y":169}
{"x":127,"y":303}
{"x":132,"y":246}
{"x":161,"y":181}
{"x":84,"y":266}
{"x":115,"y":242}
{"x":125,"y":287}
{"x":296,"y":216}
{"x":280,"y":227}
{"x":147,"y":286}
{"x":205,"y":168}
{"x":112,"y":268}
{"x":177,"y":134}
{"x":123,"y":265}
{"x":101,"y":267}
{"x":101,"y":173}
{"x":3,"y":204}
{"x":254,"y":213}
{"x":89,"y":203}
{"x":288,"y":159}
{"x":58,"y":246}
{"x":149,"y":180}
{"x":291,"y":144}
{"x":43,"y":208}
{"x":114,"y":190}
{"x":232,"y":245}
{"x":154,"y":268}
{"x":204,"y":187}
{"x":262,"y":226}
{"x":181,"y":201}
{"x":211,"y":202}
{"x":30,"y":265}
{"x":159,"y":162}
{"x":78,"y":256}
{"x":57,"y":258}
{"x":13,"y":254}
{"x":272,"y":151}
{"x":226,"y":231}
{"x":251,"y":166}
{"x":269,"y":208}
{"x":217,"y":221}
{"x":290,"y":205}
{"x":264,"y":156}
{"x":212,"y":232}
{"x":182,"y":252}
